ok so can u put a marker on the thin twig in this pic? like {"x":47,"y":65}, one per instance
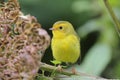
{"x":50,"y":68}
{"x":115,"y":19}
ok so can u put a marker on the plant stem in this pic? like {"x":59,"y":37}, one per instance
{"x":115,"y":19}
{"x":50,"y":68}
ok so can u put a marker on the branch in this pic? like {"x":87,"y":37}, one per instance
{"x":50,"y":68}
{"x":115,"y":19}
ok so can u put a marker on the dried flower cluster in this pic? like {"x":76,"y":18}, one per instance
{"x":22,"y":40}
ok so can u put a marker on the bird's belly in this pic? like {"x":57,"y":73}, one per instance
{"x":66,"y":52}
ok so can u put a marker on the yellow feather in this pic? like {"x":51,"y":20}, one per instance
{"x":65,"y":42}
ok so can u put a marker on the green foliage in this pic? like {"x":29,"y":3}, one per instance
{"x":55,"y":62}
{"x":88,"y":17}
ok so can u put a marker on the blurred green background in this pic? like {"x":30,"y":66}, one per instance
{"x":100,"y":44}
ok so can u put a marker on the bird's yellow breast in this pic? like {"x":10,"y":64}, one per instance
{"x":66,"y":49}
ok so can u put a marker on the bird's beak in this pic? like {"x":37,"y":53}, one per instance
{"x":51,"y":29}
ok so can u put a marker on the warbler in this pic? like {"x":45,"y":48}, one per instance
{"x":65,"y":42}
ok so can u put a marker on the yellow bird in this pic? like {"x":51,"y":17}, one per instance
{"x":65,"y":42}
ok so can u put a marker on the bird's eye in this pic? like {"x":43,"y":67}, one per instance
{"x":60,"y":27}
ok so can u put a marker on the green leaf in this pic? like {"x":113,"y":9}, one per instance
{"x":55,"y":62}
{"x":96,"y":59}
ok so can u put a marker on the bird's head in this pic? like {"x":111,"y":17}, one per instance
{"x":61,"y":29}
